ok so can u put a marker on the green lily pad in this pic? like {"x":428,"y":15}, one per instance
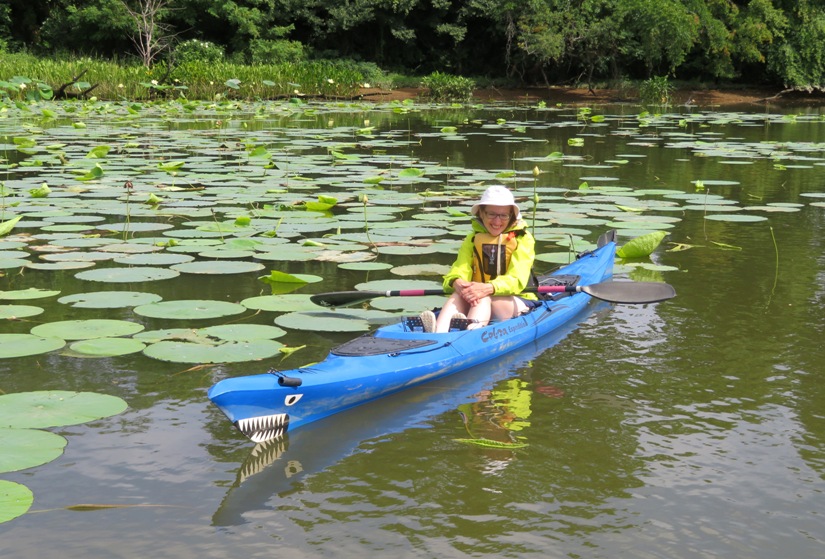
{"x":218,"y":267}
{"x":350,"y":320}
{"x":365,"y":266}
{"x":280,"y":303}
{"x":56,"y":408}
{"x":18,"y":311}
{"x":87,"y":329}
{"x":229,"y":352}
{"x":127,"y":275}
{"x":15,"y":500}
{"x":396,"y":284}
{"x":27,"y":448}
{"x":21,"y":345}
{"x":24,"y":294}
{"x":190,"y":309}
{"x":740,"y":218}
{"x":109,"y":299}
{"x":243,"y":332}
{"x":154,"y":259}
{"x":107,"y":347}
{"x":420,"y":270}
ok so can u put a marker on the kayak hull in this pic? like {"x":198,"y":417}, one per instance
{"x":394,"y":357}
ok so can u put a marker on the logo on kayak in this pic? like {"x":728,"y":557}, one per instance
{"x":292,"y":399}
{"x":494,"y":334}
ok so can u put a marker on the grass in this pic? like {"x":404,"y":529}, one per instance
{"x":111,"y":80}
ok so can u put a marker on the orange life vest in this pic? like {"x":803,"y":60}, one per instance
{"x":491,"y":254}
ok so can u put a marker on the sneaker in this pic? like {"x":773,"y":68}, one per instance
{"x":460,"y":315}
{"x":428,"y":321}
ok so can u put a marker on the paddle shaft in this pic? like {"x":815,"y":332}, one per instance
{"x":627,"y":292}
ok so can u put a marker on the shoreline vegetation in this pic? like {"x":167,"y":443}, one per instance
{"x":25,"y":77}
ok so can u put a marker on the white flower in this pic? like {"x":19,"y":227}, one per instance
{"x":366,"y":86}
{"x":154,"y":82}
{"x":330,"y":80}
{"x":22,"y":86}
{"x":120,"y":86}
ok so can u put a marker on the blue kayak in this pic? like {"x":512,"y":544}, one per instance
{"x":397,"y":356}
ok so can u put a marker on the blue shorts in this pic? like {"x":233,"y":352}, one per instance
{"x":531,"y":303}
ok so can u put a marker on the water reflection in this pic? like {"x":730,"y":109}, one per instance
{"x":272,"y":471}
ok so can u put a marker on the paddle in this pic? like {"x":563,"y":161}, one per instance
{"x":626,"y":292}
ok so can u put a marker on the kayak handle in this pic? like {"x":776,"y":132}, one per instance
{"x":284,"y":380}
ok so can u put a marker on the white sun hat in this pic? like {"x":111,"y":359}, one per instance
{"x":496,"y":195}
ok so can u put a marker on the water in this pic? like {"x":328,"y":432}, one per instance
{"x":687,"y":429}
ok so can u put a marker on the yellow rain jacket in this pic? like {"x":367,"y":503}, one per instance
{"x":479,"y":252}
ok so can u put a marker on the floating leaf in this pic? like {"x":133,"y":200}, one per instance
{"x":109,"y":299}
{"x":56,"y":408}
{"x":87,"y":329}
{"x":12,"y":312}
{"x":107,"y":347}
{"x":27,"y":448}
{"x":21,"y":345}
{"x":15,"y":500}
{"x":191,"y":309}
{"x":643,"y":246}
{"x":229,"y":352}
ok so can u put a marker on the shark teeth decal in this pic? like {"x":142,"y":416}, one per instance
{"x":264,"y":428}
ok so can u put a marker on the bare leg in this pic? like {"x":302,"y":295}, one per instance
{"x":455,"y":304}
{"x":507,"y":307}
{"x":481,"y":313}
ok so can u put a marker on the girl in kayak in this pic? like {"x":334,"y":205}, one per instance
{"x":494,"y":265}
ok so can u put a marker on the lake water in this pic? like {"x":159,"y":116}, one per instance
{"x":692,"y":428}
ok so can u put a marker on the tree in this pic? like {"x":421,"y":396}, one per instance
{"x":152,"y":36}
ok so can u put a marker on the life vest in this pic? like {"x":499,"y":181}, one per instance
{"x":491,"y":254}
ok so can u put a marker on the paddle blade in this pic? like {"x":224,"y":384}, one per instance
{"x":630,"y":292}
{"x":343,"y":298}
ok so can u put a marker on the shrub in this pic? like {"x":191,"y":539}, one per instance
{"x":447,"y":87}
{"x":265,"y":51}
{"x":656,"y":91}
{"x":194,"y":50}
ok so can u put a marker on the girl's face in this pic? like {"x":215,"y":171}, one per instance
{"x":496,"y":218}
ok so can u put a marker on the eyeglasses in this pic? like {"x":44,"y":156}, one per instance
{"x":501,"y":217}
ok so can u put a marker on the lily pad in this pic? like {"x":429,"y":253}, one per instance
{"x":351,"y":320}
{"x":127,"y":275}
{"x":87,"y":329}
{"x":229,"y":352}
{"x":107,"y":347}
{"x":24,"y":294}
{"x":27,"y":448}
{"x":109,"y":299}
{"x":56,"y":408}
{"x":190,"y":309}
{"x":18,"y":311}
{"x":280,"y":303}
{"x":21,"y":345}
{"x":15,"y":500}
{"x":243,"y":332}
{"x":218,"y":267}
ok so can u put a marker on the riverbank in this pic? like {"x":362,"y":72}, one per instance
{"x":749,"y":97}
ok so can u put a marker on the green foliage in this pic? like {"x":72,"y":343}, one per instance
{"x":194,"y":50}
{"x":538,"y":41}
{"x":656,"y":91}
{"x":263,"y":51}
{"x":446,"y":87}
{"x":800,"y":61}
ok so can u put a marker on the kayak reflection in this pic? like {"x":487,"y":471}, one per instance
{"x":277,"y":468}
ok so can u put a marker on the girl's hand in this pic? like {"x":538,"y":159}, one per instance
{"x":473,"y":292}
